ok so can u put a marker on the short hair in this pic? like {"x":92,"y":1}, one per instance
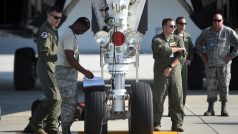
{"x":84,"y":21}
{"x":179,"y":18}
{"x":54,"y":8}
{"x":165,"y":20}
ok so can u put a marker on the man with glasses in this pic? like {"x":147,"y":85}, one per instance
{"x":180,"y":31}
{"x":47,"y":45}
{"x":214,"y":47}
{"x":66,"y":71}
{"x":168,"y":53}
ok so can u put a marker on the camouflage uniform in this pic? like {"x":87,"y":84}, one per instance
{"x":172,"y":84}
{"x":66,"y":78}
{"x":189,"y":48}
{"x":216,"y":46}
{"x":50,"y":107}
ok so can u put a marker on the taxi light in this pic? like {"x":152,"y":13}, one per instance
{"x":102,"y":38}
{"x":133,"y":37}
{"x":110,"y":21}
{"x":131,"y":51}
{"x":118,"y":38}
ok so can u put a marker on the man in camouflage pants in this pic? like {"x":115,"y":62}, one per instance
{"x":213,"y":46}
{"x":66,"y":71}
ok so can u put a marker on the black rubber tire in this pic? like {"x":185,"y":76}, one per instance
{"x":234,"y":75}
{"x":196,"y":73}
{"x":24,"y":69}
{"x":95,"y":121}
{"x":141,"y":107}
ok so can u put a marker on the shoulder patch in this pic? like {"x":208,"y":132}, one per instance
{"x":44,"y":35}
{"x":156,"y":39}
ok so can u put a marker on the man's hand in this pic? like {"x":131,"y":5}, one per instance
{"x":167,"y":71}
{"x":88,"y":74}
{"x":182,"y":50}
{"x":204,"y":58}
{"x":228,"y":58}
{"x":188,"y":62}
{"x":178,"y":49}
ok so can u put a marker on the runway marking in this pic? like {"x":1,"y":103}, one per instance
{"x":125,"y":132}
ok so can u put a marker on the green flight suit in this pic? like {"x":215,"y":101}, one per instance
{"x":171,"y":85}
{"x":50,"y":107}
{"x":189,"y":48}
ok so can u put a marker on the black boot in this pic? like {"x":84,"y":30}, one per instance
{"x":52,"y":131}
{"x":210,"y":111}
{"x":28,"y":129}
{"x":223,"y":109}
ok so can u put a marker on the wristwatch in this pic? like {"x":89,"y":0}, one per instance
{"x":170,"y":66}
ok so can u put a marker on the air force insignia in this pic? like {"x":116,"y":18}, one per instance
{"x":156,"y":40}
{"x":44,"y":35}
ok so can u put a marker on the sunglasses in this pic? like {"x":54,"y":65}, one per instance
{"x":55,"y":17}
{"x":172,"y":26}
{"x":181,"y":23}
{"x":216,"y":20}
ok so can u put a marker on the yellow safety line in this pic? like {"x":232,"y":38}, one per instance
{"x":125,"y":132}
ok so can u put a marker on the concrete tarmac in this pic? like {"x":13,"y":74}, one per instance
{"x":15,"y":105}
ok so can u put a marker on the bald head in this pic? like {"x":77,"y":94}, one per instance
{"x":217,"y":22}
{"x":218,"y":16}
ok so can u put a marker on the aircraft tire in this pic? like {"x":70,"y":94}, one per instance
{"x":24,"y":69}
{"x":95,"y":121}
{"x":141,"y":107}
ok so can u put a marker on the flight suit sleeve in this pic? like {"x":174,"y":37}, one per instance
{"x":190,"y":49}
{"x":46,"y":46}
{"x":159,"y":48}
